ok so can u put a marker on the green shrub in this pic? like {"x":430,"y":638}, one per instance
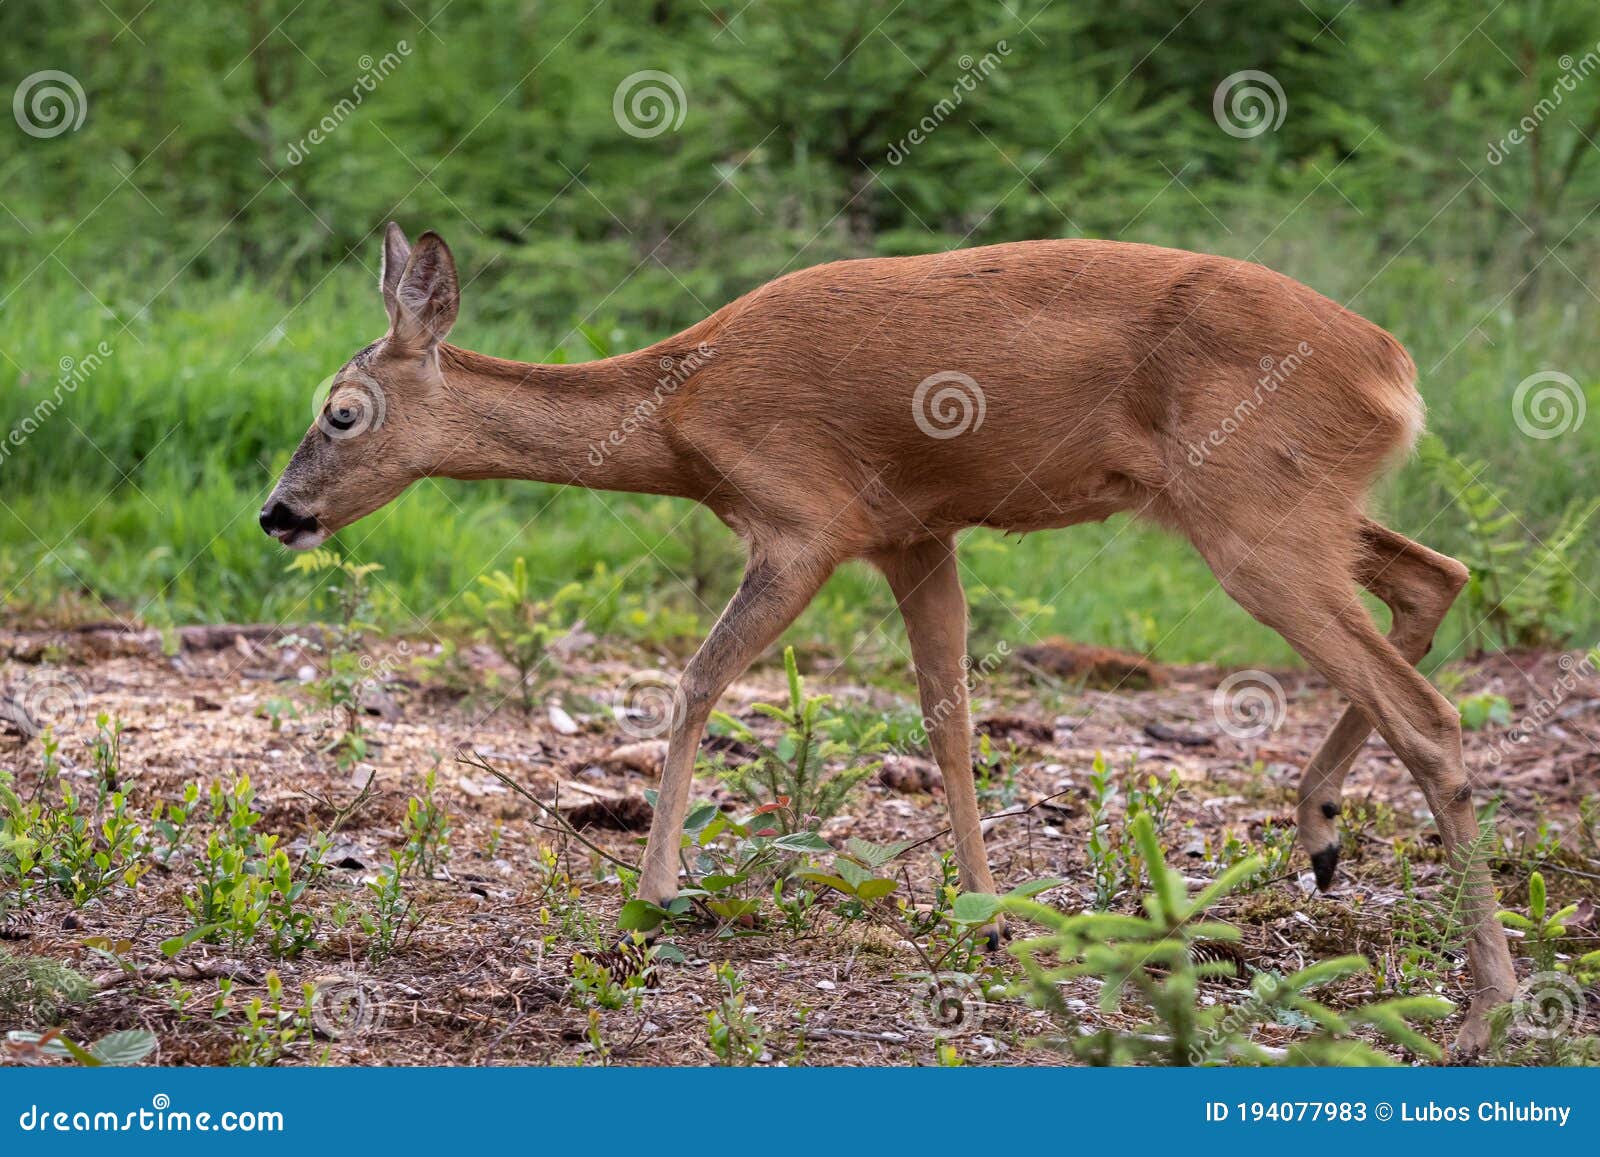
{"x":1149,"y":961}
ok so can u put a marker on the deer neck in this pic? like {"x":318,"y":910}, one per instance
{"x":593,"y":424}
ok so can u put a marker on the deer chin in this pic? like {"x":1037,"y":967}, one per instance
{"x":303,"y":539}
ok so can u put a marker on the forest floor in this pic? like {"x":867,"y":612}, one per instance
{"x":482,"y":973}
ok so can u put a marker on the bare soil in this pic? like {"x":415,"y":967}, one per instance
{"x":485,"y":977}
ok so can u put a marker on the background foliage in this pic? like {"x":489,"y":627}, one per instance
{"x":229,"y":266}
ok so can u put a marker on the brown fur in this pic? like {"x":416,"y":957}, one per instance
{"x":1113,"y":378}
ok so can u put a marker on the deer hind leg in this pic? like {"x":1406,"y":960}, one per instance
{"x":1285,"y":581}
{"x":1419,"y":586}
{"x":927,"y":587}
{"x":778,"y":583}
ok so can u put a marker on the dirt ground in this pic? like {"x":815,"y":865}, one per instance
{"x":484,"y":979}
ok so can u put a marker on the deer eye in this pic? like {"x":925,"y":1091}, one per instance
{"x":343,"y":416}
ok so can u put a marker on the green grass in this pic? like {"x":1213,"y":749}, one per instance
{"x":138,"y":497}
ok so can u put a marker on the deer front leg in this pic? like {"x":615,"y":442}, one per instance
{"x":777,"y":585}
{"x":927,"y":586}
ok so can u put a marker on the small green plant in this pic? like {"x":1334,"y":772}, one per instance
{"x":562,"y":895}
{"x":858,"y":874}
{"x":230,"y":897}
{"x":616,"y":982}
{"x":1364,"y":820}
{"x":1538,"y":1029}
{"x":246,"y":883}
{"x":594,"y":1034}
{"x":391,"y":917}
{"x":735,"y":1035}
{"x":105,"y":755}
{"x":738,"y":860}
{"x":1542,"y":929}
{"x":1482,"y":709}
{"x":291,"y":927}
{"x":126,"y":1047}
{"x":426,"y":829}
{"x":1150,"y":961}
{"x":1589,"y":824}
{"x":180,"y":1000}
{"x":923,"y":920}
{"x":956,"y":943}
{"x":171,"y":821}
{"x":1103,"y":848}
{"x":79,"y":848}
{"x":276,"y":709}
{"x":348,"y":667}
{"x":809,"y":769}
{"x":794,"y":903}
{"x":1542,"y":1025}
{"x":37,"y":989}
{"x":1540,"y":844}
{"x":518,"y":624}
{"x":996,"y":774}
{"x":1430,"y":933}
{"x":117,"y":953}
{"x":1277,"y":850}
{"x":863,"y":726}
{"x":270,"y":1028}
{"x":1520,"y":593}
{"x":1114,"y":860}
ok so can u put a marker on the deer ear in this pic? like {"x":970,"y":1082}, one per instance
{"x":396,"y":252}
{"x":428,"y":295}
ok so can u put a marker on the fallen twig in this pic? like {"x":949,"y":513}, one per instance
{"x":198,"y":970}
{"x":472,"y":758}
{"x":890,"y":1038}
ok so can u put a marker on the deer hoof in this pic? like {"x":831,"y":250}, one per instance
{"x":1472,"y":1041}
{"x":632,"y":941}
{"x":992,"y":936}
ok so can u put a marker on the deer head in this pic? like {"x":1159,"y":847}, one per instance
{"x":379,"y":429}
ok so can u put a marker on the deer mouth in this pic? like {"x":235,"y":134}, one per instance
{"x":295,"y":531}
{"x":301,"y":539}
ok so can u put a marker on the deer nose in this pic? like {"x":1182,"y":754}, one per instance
{"x":276,"y":518}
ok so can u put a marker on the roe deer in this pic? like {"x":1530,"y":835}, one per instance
{"x":872,"y":409}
